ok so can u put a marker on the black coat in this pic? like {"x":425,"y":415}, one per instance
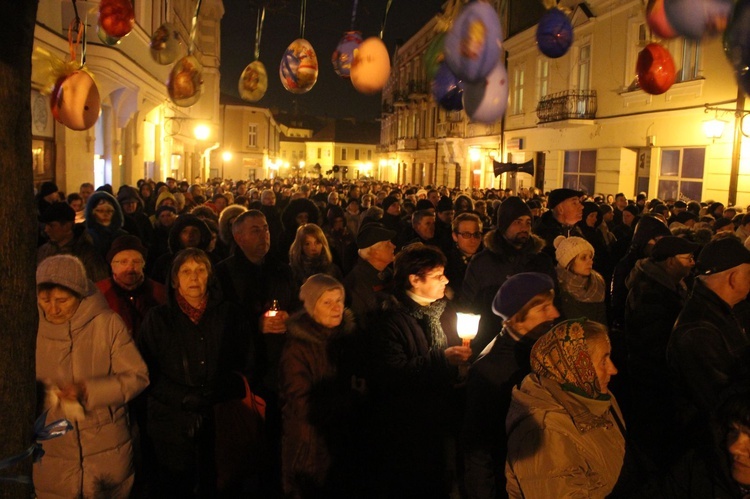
{"x":548,"y":228}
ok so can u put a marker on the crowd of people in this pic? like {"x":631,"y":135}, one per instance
{"x":610,"y":360}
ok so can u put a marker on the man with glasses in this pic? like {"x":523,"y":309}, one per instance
{"x":657,"y":292}
{"x":467,"y":239}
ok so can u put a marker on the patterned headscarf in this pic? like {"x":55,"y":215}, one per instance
{"x":562,"y":356}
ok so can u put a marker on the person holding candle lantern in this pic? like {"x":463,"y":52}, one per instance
{"x":414,"y":365}
{"x":525,"y":303}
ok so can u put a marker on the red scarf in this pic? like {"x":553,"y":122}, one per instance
{"x":193,"y":313}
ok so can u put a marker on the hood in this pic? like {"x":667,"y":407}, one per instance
{"x":127,"y":192}
{"x":294,"y":208}
{"x":165,"y":195}
{"x":302,"y":327}
{"x":496,"y":243}
{"x":117,"y":217}
{"x":90,"y":307}
{"x":230,"y":213}
{"x":185,"y":221}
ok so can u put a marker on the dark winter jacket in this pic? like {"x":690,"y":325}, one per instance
{"x":548,"y":228}
{"x":82,"y":247}
{"x":489,"y":269}
{"x":133,"y":304}
{"x":366,"y":289}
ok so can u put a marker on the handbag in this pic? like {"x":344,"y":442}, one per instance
{"x":239,"y":437}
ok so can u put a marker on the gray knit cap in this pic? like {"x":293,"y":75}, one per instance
{"x":67,"y":271}
{"x":314,"y":286}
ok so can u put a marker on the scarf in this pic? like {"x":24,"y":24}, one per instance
{"x":193,"y":313}
{"x":587,"y":289}
{"x":429,"y":317}
{"x":562,"y":356}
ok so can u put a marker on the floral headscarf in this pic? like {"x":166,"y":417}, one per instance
{"x":562,"y":356}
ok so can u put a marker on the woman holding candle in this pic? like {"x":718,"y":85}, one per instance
{"x":414,"y":366}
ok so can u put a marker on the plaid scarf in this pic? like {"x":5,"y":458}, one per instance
{"x":193,"y":313}
{"x":429,"y":318}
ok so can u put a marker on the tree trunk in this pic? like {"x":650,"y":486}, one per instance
{"x":17,"y":242}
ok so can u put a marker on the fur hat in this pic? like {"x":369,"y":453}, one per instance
{"x":67,"y":271}
{"x":518,"y":290}
{"x":314,"y":286}
{"x":511,"y":209}
{"x":567,"y":248}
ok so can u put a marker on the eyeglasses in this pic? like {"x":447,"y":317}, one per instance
{"x":126,"y":263}
{"x":469,"y":235}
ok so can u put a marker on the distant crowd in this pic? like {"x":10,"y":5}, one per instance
{"x":286,"y":338}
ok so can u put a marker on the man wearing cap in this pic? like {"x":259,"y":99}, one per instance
{"x":656,"y":294}
{"x":525,"y":304}
{"x":392,"y":214}
{"x":65,"y":238}
{"x":509,"y":249}
{"x":370,"y":279}
{"x":708,"y":348}
{"x":565,"y":210}
{"x":128,"y":291}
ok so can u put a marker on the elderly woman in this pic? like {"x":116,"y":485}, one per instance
{"x":310,"y":254}
{"x":91,"y":369}
{"x":317,"y":393}
{"x":565,"y":430}
{"x":193,"y":346}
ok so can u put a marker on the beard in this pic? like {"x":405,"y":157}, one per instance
{"x":520,"y":239}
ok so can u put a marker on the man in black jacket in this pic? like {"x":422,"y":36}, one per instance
{"x":565,"y":211}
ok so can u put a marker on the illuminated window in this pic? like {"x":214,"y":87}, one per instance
{"x":252,"y":135}
{"x":579,"y":171}
{"x":681,"y":173}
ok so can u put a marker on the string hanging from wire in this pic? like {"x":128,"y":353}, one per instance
{"x":302,"y":17}
{"x":385,"y":17}
{"x":354,"y":14}
{"x":80,"y":29}
{"x":259,"y":30}
{"x":194,"y":28}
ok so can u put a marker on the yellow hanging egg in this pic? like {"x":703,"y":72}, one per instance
{"x":371,"y":66}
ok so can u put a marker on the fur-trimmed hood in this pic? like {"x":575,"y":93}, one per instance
{"x":302,"y":327}
{"x":496,"y":243}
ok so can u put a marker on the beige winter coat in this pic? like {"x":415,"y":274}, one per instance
{"x":95,"y":459}
{"x":561,"y":444}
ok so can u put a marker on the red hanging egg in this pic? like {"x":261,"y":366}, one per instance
{"x":655,"y":69}
{"x":75,"y":101}
{"x":116,"y":17}
{"x":656,"y":18}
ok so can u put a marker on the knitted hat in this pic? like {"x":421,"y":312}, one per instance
{"x":590,"y":207}
{"x":671,"y":246}
{"x":123,"y":243}
{"x":445,"y":204}
{"x":567,"y":248}
{"x":47,"y":188}
{"x":518,"y":290}
{"x":58,"y":212}
{"x":67,"y":271}
{"x":557,"y":196}
{"x":720,"y":255}
{"x":388,"y":201}
{"x":373,"y":233}
{"x":314,"y":286}
{"x":721,"y":223}
{"x":424,"y":204}
{"x":511,"y":209}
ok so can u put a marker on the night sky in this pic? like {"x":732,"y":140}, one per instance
{"x":326,"y":22}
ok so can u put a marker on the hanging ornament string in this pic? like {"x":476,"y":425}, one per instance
{"x":259,"y":30}
{"x":385,"y":17}
{"x":194,"y":28}
{"x":302,"y":16}
{"x":354,"y":14}
{"x":80,"y":39}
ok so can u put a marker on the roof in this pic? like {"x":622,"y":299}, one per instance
{"x":349,"y":131}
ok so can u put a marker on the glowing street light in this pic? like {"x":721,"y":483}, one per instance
{"x":202,"y":132}
{"x":226,"y":156}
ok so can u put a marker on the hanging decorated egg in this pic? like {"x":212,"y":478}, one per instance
{"x":697,"y":18}
{"x":656,"y":18}
{"x":185,"y":83}
{"x":447,"y":89}
{"x":737,"y":43}
{"x":655,"y":69}
{"x":116,"y":17}
{"x":344,"y":54}
{"x":486,"y":101}
{"x":434,"y":56}
{"x":371,"y":66}
{"x":165,"y":44}
{"x":75,"y":101}
{"x":253,"y":82}
{"x":472,"y":46}
{"x":554,"y":33}
{"x":299,"y":67}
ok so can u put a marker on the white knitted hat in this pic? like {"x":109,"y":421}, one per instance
{"x":567,"y":248}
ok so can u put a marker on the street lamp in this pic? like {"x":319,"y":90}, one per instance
{"x":739,"y":112}
{"x":226,"y":156}
{"x":202,"y":132}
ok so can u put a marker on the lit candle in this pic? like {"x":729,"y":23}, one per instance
{"x":467,"y":326}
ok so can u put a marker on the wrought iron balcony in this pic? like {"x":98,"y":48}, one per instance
{"x":567,"y":105}
{"x":399,"y":99}
{"x":417,"y":90}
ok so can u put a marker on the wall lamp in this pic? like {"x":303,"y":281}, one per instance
{"x":714,"y":128}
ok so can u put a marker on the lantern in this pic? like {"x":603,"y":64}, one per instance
{"x":472,"y":46}
{"x":655,"y":69}
{"x":371,"y":66}
{"x":75,"y":101}
{"x":554,"y":33}
{"x":253,"y":82}
{"x":486,"y":101}
{"x":467,"y":326}
{"x":299,"y":67}
{"x":344,"y":54}
{"x":185,"y":83}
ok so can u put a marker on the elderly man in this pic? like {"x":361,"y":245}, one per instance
{"x":508,"y":250}
{"x":708,"y":349}
{"x":565,"y":211}
{"x":128,"y":291}
{"x":422,"y":230}
{"x":371,"y":276}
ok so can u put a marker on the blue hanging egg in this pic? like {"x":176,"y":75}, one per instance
{"x":344,"y":54}
{"x":472,"y":45}
{"x":554,"y":33}
{"x":486,"y":101}
{"x":695,"y":19}
{"x":447,"y":89}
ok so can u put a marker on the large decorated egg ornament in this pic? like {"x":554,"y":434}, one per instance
{"x":371,"y":66}
{"x":472,"y":46}
{"x":697,"y":18}
{"x":486,"y":101}
{"x":655,"y":69}
{"x":185,"y":83}
{"x":656,"y":18}
{"x":75,"y":101}
{"x":554,"y":33}
{"x":737,"y":43}
{"x":344,"y":54}
{"x":253,"y":82}
{"x":299,"y":67}
{"x":447,"y":89}
{"x":165,"y":44}
{"x":116,"y":19}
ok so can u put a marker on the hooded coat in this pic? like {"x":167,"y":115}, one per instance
{"x":101,"y":236}
{"x":163,"y":264}
{"x":94,"y":459}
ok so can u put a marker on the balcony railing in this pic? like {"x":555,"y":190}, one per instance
{"x":450,"y":129}
{"x":567,"y":105}
{"x":417,"y":90}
